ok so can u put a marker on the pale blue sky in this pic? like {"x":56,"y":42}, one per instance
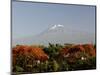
{"x":29,"y":19}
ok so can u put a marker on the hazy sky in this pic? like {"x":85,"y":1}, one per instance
{"x":30,"y":19}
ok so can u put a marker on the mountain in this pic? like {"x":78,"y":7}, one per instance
{"x":58,"y":34}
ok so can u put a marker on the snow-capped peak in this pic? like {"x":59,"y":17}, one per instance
{"x":60,"y":25}
{"x":56,"y":26}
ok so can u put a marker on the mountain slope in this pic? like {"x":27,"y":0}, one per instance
{"x":58,"y":34}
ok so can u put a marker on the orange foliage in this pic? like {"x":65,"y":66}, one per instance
{"x":74,"y":51}
{"x":89,"y":48}
{"x":76,"y":48}
{"x":63,"y":51}
{"x":37,"y":52}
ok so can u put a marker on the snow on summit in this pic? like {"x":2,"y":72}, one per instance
{"x":56,"y":26}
